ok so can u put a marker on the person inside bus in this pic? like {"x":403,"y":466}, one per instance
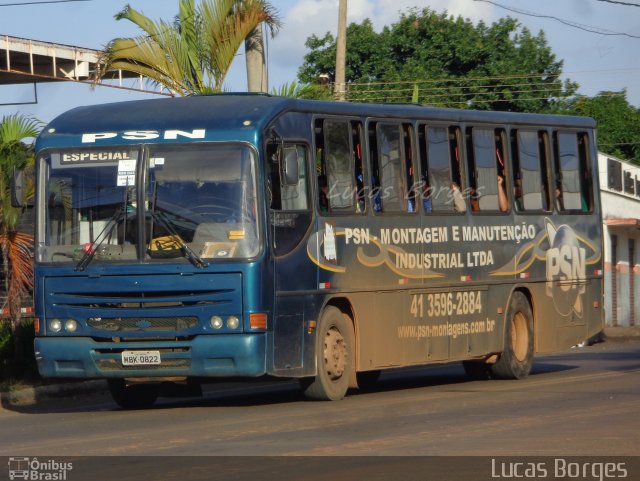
{"x":518,"y":198}
{"x":459,"y":204}
{"x":474,"y":196}
{"x":503,"y":203}
{"x":474,"y":200}
{"x":360,"y":193}
{"x":558,"y":195}
{"x":323,"y":191}
{"x":426,"y":195}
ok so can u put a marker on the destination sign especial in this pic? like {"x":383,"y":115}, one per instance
{"x":97,"y":156}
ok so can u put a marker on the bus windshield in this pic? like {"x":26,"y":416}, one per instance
{"x":156,"y":204}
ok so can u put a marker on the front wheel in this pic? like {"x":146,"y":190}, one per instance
{"x":517,"y":358}
{"x":334,"y":357}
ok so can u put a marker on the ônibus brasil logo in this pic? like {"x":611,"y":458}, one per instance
{"x":38,"y":470}
{"x":566,"y":269}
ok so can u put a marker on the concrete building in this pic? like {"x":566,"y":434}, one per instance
{"x":620,"y":194}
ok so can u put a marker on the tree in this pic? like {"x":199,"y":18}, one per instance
{"x":618,"y":122}
{"x":451,"y":61}
{"x":303,"y":91}
{"x":16,"y":246}
{"x":193,"y":54}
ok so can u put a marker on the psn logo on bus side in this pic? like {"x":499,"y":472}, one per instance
{"x":566,"y":269}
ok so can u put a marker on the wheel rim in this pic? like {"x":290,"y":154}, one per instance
{"x":335,"y":354}
{"x":519,"y":337}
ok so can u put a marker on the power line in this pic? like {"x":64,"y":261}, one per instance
{"x":586,"y":28}
{"x":443,"y":104}
{"x":465,"y":90}
{"x":626,"y":4}
{"x":463,"y":80}
{"x":427,"y":102}
{"x":450,"y":82}
{"x":454,"y":80}
{"x":16,"y":4}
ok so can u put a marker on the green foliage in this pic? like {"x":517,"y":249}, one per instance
{"x":17,"y":357}
{"x":5,"y":338}
{"x":14,"y":155}
{"x":303,"y":91}
{"x":618,"y":122}
{"x":444,"y":61}
{"x":192,"y":54}
{"x":17,"y":270}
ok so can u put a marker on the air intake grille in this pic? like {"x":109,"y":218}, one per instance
{"x":134,"y":324}
{"x":116,"y":365}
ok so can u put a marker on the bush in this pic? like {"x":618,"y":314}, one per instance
{"x":17,"y":357}
{"x":5,"y":338}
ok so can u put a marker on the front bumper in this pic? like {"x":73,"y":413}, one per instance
{"x":219,"y":355}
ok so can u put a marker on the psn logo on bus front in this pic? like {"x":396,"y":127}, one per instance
{"x":566,"y":269}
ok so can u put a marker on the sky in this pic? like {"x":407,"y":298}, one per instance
{"x":598,"y":40}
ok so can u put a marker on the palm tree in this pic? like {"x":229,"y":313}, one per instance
{"x":16,"y":246}
{"x":193,"y":54}
{"x":303,"y":91}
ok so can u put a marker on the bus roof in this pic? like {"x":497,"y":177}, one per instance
{"x":246,"y":114}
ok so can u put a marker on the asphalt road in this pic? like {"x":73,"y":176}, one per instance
{"x":584,"y":402}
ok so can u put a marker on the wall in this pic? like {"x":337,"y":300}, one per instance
{"x":620,"y":196}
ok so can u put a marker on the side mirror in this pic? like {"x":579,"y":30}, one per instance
{"x":18,"y":189}
{"x":289,"y":166}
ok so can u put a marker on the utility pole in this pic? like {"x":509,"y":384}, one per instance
{"x":256,"y":61}
{"x":341,"y":52}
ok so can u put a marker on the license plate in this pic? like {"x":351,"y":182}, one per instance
{"x":140,"y":358}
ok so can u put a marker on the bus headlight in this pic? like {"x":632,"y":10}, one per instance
{"x":55,"y":325}
{"x":216,"y":322}
{"x":233,"y":322}
{"x":70,"y":325}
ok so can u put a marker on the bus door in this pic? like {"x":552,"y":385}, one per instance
{"x":572,"y":250}
{"x":289,"y":222}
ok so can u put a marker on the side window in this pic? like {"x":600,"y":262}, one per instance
{"x":339,"y":166}
{"x":441,"y":175}
{"x":530,"y":175}
{"x":486,"y":151}
{"x":410,"y":161}
{"x":356,"y":139}
{"x":293,"y":194}
{"x":614,"y":174}
{"x":392,"y":167}
{"x":586,"y":178}
{"x":573,"y":184}
{"x":287,"y":190}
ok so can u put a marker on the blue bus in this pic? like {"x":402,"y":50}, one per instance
{"x":243,"y":235}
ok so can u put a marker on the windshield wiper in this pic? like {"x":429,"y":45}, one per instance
{"x":187,"y":252}
{"x":93,"y":247}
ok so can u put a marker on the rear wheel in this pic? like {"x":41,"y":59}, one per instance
{"x":135,"y":396}
{"x":334,"y":357}
{"x":517,"y":358}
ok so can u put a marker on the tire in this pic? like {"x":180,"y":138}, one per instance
{"x":136,"y":396}
{"x":334,"y":357}
{"x":517,"y":358}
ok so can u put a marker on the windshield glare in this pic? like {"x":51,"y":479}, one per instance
{"x":195,"y":202}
